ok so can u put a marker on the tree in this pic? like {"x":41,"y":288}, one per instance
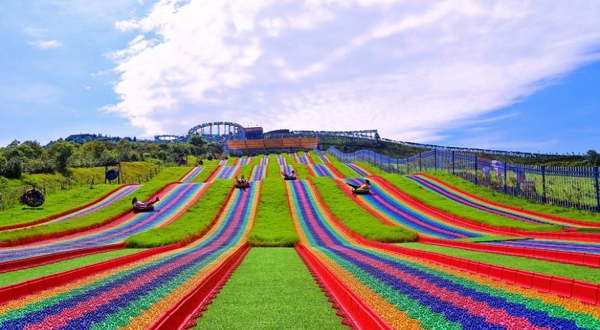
{"x":593,"y":157}
{"x":197,"y":143}
{"x":214,"y":148}
{"x":60,"y":152}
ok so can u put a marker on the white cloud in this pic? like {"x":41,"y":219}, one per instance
{"x":410,"y":69}
{"x":46,"y":44}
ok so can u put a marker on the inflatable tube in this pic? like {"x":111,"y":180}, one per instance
{"x":143,"y":208}
{"x":33,"y":198}
{"x":242,"y":185}
{"x":111,"y":174}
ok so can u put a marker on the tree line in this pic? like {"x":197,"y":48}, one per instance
{"x":31,"y":157}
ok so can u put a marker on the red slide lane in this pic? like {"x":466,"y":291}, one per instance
{"x":566,"y":257}
{"x":12,"y":265}
{"x":62,"y":214}
{"x":22,"y":289}
{"x":181,"y":315}
{"x":356,"y":312}
{"x":566,"y":287}
{"x":566,"y":220}
{"x":572,"y":236}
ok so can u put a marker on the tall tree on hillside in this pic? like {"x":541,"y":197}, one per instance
{"x":198,"y":144}
{"x":60,"y":152}
{"x":593,"y":157}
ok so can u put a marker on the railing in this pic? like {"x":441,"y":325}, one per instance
{"x":575,"y":187}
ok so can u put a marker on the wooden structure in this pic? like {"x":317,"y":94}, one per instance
{"x":264,"y":145}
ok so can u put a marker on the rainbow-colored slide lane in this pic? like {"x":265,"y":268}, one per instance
{"x":138,"y":295}
{"x":192,"y":174}
{"x":259,"y":172}
{"x":226,"y":172}
{"x":410,"y":293}
{"x":462,"y":197}
{"x":175,"y":200}
{"x":359,"y":170}
{"x":321,"y":170}
{"x":283,"y":165}
{"x":97,"y":205}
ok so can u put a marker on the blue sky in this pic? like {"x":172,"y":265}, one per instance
{"x":519,"y":75}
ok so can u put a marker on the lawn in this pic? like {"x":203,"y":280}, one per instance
{"x":581,"y":273}
{"x":342,"y":168}
{"x":271,"y":289}
{"x":62,"y":201}
{"x":356,"y":218}
{"x":315,"y":158}
{"x":209,"y":167}
{"x":195,"y":221}
{"x":27,"y":274}
{"x":273,"y":225}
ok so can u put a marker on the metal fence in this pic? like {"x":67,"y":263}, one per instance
{"x":575,"y":187}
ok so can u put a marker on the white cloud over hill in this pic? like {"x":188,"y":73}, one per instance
{"x":409,"y":68}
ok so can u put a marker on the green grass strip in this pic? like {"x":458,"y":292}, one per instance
{"x":209,"y":167}
{"x":273,"y":169}
{"x":194,"y":221}
{"x":581,"y":273}
{"x":316,"y":159}
{"x":522,"y":203}
{"x":440,"y":202}
{"x":27,"y":274}
{"x":342,"y":168}
{"x":57,"y":203}
{"x":271,"y":289}
{"x":273,"y":225}
{"x":356,"y":218}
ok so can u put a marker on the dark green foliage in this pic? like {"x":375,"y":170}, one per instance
{"x":356,"y":218}
{"x":60,"y":152}
{"x":273,"y":225}
{"x":593,"y":158}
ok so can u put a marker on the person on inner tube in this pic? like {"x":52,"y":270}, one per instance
{"x":365,"y":186}
{"x":138,"y":204}
{"x":241,"y":180}
{"x":289,"y":176}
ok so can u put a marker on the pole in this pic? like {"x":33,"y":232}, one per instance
{"x":544,"y":200}
{"x":435,"y":159}
{"x":453,"y":172}
{"x":505,"y":187}
{"x":476,"y":179}
{"x":420,"y":162}
{"x":597,"y":190}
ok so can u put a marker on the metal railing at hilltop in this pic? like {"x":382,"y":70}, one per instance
{"x":575,"y":187}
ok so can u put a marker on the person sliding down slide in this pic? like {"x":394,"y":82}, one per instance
{"x":241,"y":183}
{"x":362,"y":189}
{"x":291,"y":176}
{"x":143,"y":207}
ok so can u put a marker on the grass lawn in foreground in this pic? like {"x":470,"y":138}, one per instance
{"x":581,"y":273}
{"x":271,"y":289}
{"x":27,"y":274}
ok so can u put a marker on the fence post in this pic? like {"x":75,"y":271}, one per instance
{"x":476,"y":169}
{"x":505,"y":187}
{"x":435,"y":159}
{"x":544,"y":200}
{"x":597,"y":190}
{"x":453,"y":163}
